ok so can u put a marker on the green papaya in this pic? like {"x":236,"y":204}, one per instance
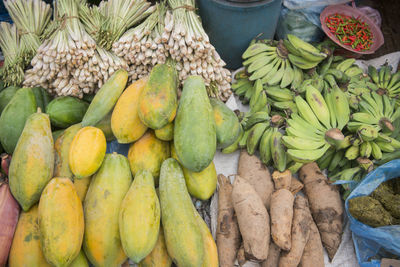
{"x":158,"y":100}
{"x":42,"y":97}
{"x":14,"y":116}
{"x":65,"y":111}
{"x":57,"y":134}
{"x":105,"y":126}
{"x":226,"y":123}
{"x":182,"y":234}
{"x":32,"y":164}
{"x":2,"y":86}
{"x":195,"y":137}
{"x":105,"y":99}
{"x":107,"y":189}
{"x":6,"y":95}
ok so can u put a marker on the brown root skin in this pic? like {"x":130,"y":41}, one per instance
{"x":295,"y":186}
{"x":228,"y":235}
{"x":253,"y":219}
{"x":241,"y":258}
{"x":273,"y":256}
{"x":300,"y":233}
{"x":281,"y":218}
{"x":254,"y":171}
{"x":282,"y":180}
{"x":313,"y":254}
{"x":326,"y":206}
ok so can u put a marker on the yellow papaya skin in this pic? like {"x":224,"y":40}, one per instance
{"x":32,"y":165}
{"x":166,"y":133}
{"x":26,"y":250}
{"x":102,"y":243}
{"x":182,"y":234}
{"x":82,"y":186}
{"x":158,"y":100}
{"x":148,"y":153}
{"x":202,"y":184}
{"x":139,"y":218}
{"x":60,"y":222}
{"x":125,"y":122}
{"x":210,"y":247}
{"x":86,"y":152}
{"x":159,"y":255}
{"x":61,"y":146}
{"x":80,"y":261}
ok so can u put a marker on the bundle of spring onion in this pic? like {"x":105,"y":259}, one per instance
{"x":188,"y":44}
{"x":12,"y":72}
{"x":141,"y":46}
{"x":31,"y":18}
{"x":67,"y":48}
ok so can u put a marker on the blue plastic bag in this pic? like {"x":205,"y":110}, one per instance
{"x":376,"y":242}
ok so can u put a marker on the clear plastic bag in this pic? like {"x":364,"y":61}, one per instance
{"x":301,"y":4}
{"x":371,"y":244}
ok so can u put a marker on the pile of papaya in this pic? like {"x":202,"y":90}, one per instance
{"x":80,"y":204}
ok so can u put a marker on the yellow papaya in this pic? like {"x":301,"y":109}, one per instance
{"x":26,"y":250}
{"x":125,"y":122}
{"x":32,"y":165}
{"x":82,"y":186}
{"x":166,"y":133}
{"x":159,"y":255}
{"x":80,"y":261}
{"x":202,"y":184}
{"x":158,"y":100}
{"x":182,"y":234}
{"x":148,"y":153}
{"x":60,"y":222}
{"x":210,"y":248}
{"x":61,"y":146}
{"x":139,"y":218}
{"x":102,"y":243}
{"x":86,"y":152}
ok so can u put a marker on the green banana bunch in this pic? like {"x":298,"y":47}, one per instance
{"x":302,"y":54}
{"x":387,"y":82}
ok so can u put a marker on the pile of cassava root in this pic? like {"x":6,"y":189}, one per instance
{"x":263,"y":219}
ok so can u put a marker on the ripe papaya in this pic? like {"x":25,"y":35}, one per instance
{"x":148,"y":153}
{"x":42,"y":98}
{"x":105,"y":98}
{"x":158,"y":100}
{"x":194,"y":133}
{"x":26,"y":250}
{"x":102,"y":243}
{"x":86,"y":152}
{"x":139,"y":217}
{"x":105,"y":126}
{"x":226,"y":123}
{"x":182,"y":234}
{"x":6,"y":95}
{"x":65,"y":111}
{"x":61,"y":147}
{"x":80,"y":261}
{"x":14,"y":116}
{"x":125,"y":122}
{"x":82,"y":186}
{"x":202,"y":184}
{"x":210,"y":248}
{"x":61,"y":222}
{"x":166,"y":133}
{"x":159,"y":255}
{"x":32,"y":164}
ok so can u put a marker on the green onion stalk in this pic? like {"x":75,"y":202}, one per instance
{"x":118,"y":16}
{"x":188,"y":44}
{"x":12,"y":72}
{"x":67,"y":47}
{"x":31,"y":18}
{"x":142,"y":46}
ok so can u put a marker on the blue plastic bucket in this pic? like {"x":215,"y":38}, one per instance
{"x":232,"y":25}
